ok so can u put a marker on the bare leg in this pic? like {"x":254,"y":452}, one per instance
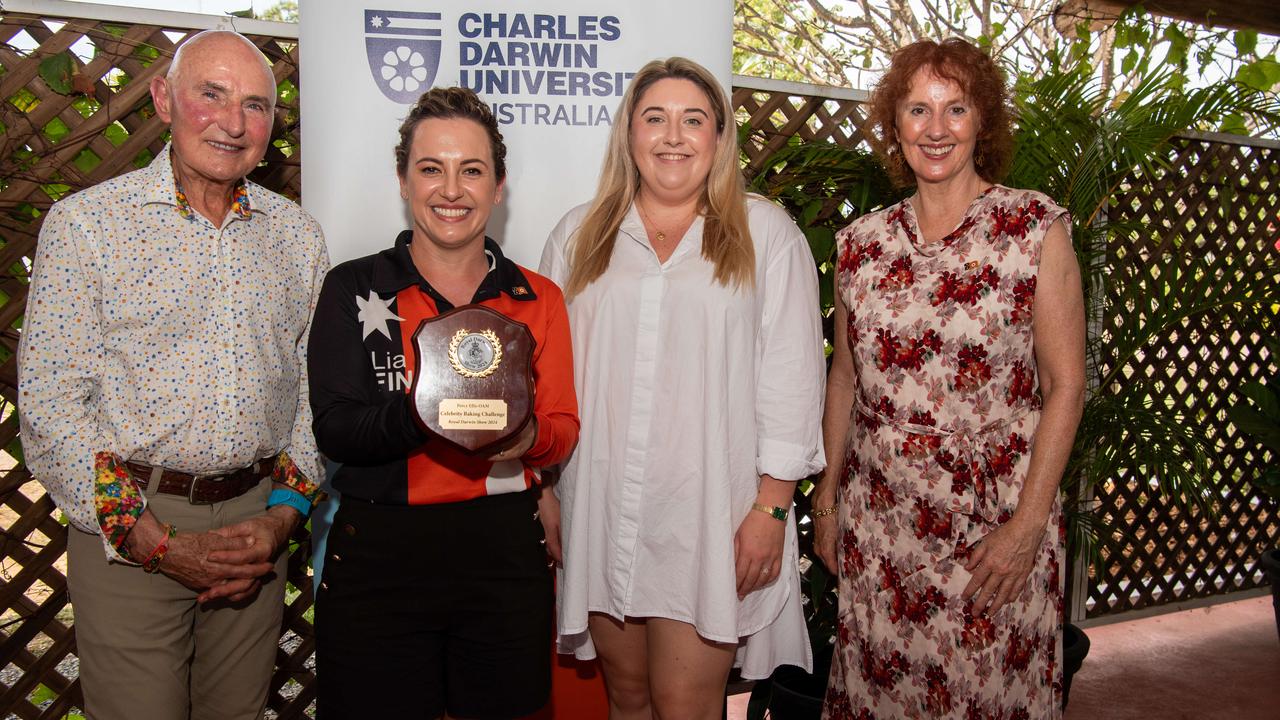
{"x":687,"y":673}
{"x":624,"y":658}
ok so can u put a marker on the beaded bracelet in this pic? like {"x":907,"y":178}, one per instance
{"x":152,"y":563}
{"x":823,"y":512}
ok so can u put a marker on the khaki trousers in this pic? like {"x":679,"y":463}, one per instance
{"x":147,"y":650}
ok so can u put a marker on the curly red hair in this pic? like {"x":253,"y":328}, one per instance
{"x":983,"y":84}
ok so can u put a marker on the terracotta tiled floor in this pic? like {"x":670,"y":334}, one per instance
{"x":1215,"y":663}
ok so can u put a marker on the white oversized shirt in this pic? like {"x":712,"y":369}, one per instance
{"x":689,"y":391}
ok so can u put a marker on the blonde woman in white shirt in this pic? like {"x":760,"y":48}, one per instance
{"x":699,"y":370}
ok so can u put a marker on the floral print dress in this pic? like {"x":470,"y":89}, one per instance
{"x":943,"y":422}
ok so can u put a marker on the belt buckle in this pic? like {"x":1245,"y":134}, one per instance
{"x":196,"y":480}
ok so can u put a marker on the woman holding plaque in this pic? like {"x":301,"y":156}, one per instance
{"x":698,"y":354}
{"x":436,"y":597}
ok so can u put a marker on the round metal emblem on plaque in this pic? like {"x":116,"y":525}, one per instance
{"x":475,"y":354}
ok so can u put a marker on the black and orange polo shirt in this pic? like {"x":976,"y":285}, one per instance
{"x":360,"y":359}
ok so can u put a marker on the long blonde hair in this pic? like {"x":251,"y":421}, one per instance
{"x":726,"y":238}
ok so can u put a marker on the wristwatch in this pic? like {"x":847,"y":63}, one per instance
{"x":777,"y":513}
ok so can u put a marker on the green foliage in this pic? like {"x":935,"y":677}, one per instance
{"x":824,"y":187}
{"x":1245,"y":41}
{"x":56,"y":130}
{"x":26,"y":212}
{"x":24,"y":100}
{"x":115,"y":133}
{"x":42,"y":694}
{"x":1259,"y":418}
{"x":283,"y":11}
{"x":85,"y":105}
{"x":1078,"y":145}
{"x":1179,"y":44}
{"x":287,"y":92}
{"x":146,"y":54}
{"x":56,"y":71}
{"x":85,"y":161}
{"x":1261,"y":74}
{"x":55,"y":191}
{"x":144,"y":158}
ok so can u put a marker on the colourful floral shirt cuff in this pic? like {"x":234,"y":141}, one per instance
{"x":116,"y":499}
{"x":287,"y":474}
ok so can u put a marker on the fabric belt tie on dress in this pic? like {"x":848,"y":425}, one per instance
{"x":966,"y":446}
{"x":201,"y":489}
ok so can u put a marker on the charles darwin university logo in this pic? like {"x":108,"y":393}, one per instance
{"x":404,"y":51}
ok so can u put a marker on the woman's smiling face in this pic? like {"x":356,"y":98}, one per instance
{"x":673,"y":139}
{"x":937,"y":129}
{"x":450,"y":183}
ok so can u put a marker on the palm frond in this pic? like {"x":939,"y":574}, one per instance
{"x":1076,"y":144}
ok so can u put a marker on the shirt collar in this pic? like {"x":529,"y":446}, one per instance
{"x":393,"y":271}
{"x":633,"y":226}
{"x":162,"y":187}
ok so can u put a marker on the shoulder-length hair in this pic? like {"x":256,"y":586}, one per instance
{"x":726,"y":239}
{"x":983,"y":85}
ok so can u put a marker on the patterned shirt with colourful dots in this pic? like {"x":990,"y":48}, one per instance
{"x":153,"y":335}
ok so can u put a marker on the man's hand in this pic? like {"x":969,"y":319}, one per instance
{"x":189,"y":560}
{"x":259,"y":539}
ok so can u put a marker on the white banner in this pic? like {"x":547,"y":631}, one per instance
{"x":553,"y":70}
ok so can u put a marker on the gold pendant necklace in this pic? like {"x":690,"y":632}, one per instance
{"x":658,"y":235}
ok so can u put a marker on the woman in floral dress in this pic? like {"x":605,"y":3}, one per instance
{"x":951,"y":408}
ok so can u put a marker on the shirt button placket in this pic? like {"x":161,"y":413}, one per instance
{"x":225,"y":347}
{"x":648,"y":328}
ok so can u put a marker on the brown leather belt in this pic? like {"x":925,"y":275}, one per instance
{"x":203,"y":489}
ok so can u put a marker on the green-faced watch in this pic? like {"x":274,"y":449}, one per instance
{"x":776,"y":513}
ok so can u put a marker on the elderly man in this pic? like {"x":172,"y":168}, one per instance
{"x":163,"y":399}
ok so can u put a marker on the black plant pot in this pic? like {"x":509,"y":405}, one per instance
{"x":1075,"y":646}
{"x":1270,"y":564}
{"x":791,"y":693}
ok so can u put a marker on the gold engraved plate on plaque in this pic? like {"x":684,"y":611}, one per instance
{"x":473,"y":414}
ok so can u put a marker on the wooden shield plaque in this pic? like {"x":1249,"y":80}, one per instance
{"x":473,"y":378}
